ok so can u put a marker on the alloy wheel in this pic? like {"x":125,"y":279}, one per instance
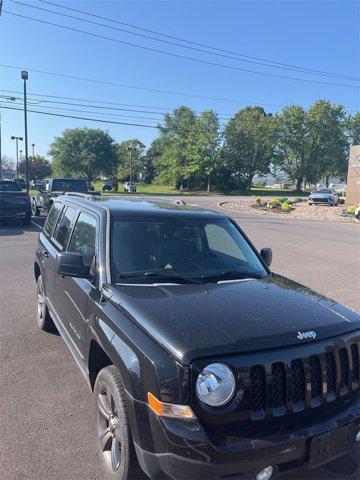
{"x":40,"y":303}
{"x":109,"y":428}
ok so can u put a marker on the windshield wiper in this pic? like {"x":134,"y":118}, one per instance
{"x":170,"y":274}
{"x":163,"y":274}
{"x":232,"y":274}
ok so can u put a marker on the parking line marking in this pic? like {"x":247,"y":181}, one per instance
{"x":39,"y":226}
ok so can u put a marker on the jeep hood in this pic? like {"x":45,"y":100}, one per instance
{"x":196,"y":321}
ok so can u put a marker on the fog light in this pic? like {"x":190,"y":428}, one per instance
{"x":357,"y":438}
{"x":265,"y":474}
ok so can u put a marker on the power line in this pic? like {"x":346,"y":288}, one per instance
{"x":40,"y":101}
{"x":154,"y":90}
{"x":305,"y":69}
{"x":176,"y":55}
{"x":11,"y":102}
{"x":134,"y":105}
{"x":223,"y":55}
{"x":77,"y":110}
{"x":82,"y":118}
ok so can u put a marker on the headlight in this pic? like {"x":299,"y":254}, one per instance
{"x":215,"y":385}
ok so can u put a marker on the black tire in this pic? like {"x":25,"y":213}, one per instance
{"x":43,"y":318}
{"x":113,"y":428}
{"x":27,"y":220}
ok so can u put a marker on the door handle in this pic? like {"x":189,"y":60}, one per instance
{"x":45,"y":253}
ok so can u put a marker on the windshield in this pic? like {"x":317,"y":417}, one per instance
{"x":69,"y":186}
{"x":323,"y":190}
{"x":9,"y":187}
{"x":200,"y":250}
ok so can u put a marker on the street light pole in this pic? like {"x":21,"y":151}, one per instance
{"x":25,"y":76}
{"x":33,"y":149}
{"x":17,"y":153}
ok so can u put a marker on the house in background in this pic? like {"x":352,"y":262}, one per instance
{"x":353,"y":178}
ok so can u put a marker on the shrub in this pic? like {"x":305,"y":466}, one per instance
{"x":297,"y":200}
{"x":351,"y":209}
{"x":286,"y":207}
{"x":282,"y":200}
{"x":258,"y":201}
{"x":341,"y":201}
{"x":275,"y":202}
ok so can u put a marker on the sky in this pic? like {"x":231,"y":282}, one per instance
{"x":318,"y":35}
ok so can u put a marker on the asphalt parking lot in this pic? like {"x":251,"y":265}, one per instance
{"x":46,"y":408}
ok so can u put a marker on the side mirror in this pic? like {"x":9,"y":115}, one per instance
{"x":72,"y":265}
{"x":266,"y":254}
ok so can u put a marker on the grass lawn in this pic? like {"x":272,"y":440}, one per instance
{"x":144,"y":189}
{"x":167,"y":190}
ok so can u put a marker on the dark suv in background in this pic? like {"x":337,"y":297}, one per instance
{"x":203,"y":363}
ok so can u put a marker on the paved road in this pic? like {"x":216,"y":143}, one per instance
{"x":46,"y":409}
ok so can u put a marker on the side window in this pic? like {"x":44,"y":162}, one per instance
{"x":63,"y":226}
{"x":220,"y":240}
{"x":51,"y":218}
{"x":83,"y":239}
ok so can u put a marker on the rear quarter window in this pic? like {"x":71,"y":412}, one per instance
{"x":51,"y":219}
{"x":63,"y":227}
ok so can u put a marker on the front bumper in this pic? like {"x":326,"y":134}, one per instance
{"x":321,"y":201}
{"x":183,"y":449}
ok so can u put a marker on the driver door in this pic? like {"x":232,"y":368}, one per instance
{"x":75,"y":291}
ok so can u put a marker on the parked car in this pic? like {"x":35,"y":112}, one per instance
{"x":129,"y":187}
{"x":109,"y":185}
{"x":203,"y":363}
{"x":52,"y":188}
{"x":324,"y":196}
{"x":14,"y":203}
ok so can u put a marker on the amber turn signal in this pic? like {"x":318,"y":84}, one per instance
{"x":169,"y":409}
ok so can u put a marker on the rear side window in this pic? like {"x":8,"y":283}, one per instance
{"x":83,"y":239}
{"x":51,"y":218}
{"x":63,"y":226}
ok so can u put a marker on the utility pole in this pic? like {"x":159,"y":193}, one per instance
{"x":130,"y":150}
{"x":17,"y":153}
{"x":33,"y":149}
{"x":25,"y":76}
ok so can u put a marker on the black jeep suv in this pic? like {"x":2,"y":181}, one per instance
{"x":203,"y":363}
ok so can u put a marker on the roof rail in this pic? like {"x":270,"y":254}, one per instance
{"x":85,"y":195}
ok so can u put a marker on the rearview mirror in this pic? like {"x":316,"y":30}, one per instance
{"x":72,"y":265}
{"x":266,"y":255}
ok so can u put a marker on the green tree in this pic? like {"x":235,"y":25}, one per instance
{"x":328,"y":143}
{"x":175,"y":136}
{"x":131,"y":159}
{"x":84,"y":151}
{"x":202,"y":149}
{"x":249,"y":144}
{"x":353,"y":128}
{"x":292,"y":151}
{"x":153,"y":152}
{"x":39,"y":167}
